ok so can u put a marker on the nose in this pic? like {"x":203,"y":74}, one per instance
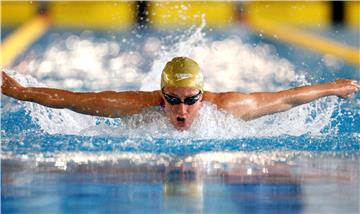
{"x":182,"y":108}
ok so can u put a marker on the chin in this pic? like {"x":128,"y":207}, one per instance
{"x":182,"y":127}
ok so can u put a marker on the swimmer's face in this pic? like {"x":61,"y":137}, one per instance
{"x":182,"y":115}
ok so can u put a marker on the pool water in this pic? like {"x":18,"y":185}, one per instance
{"x":305,"y":160}
{"x":217,"y":182}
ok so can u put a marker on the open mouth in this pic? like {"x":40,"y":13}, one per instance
{"x":180,"y":119}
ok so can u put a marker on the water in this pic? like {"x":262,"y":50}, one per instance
{"x":57,"y":161}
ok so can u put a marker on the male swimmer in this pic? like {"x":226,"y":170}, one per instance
{"x":181,"y":96}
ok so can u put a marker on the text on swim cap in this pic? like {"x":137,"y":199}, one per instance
{"x":181,"y":76}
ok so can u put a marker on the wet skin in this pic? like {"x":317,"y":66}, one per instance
{"x":182,"y":116}
{"x":246,"y":106}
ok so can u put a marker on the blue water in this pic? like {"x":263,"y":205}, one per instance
{"x":308,"y":165}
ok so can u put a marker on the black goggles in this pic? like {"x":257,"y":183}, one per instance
{"x":187,"y":101}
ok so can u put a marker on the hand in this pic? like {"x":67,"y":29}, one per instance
{"x":345,"y":88}
{"x":9,"y":86}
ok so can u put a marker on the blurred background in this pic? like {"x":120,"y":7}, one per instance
{"x":287,"y":161}
{"x":99,"y":45}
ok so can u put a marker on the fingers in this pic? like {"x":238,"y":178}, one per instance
{"x":356,"y":86}
{"x":3,"y":73}
{"x":347,"y":82}
{"x":5,"y":76}
{"x":347,"y":88}
{"x":353,"y":90}
{"x":8,"y":82}
{"x":355,"y":83}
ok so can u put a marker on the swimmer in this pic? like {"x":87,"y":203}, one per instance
{"x":181,"y":95}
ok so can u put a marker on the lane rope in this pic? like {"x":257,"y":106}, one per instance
{"x":306,"y":39}
{"x":17,"y":42}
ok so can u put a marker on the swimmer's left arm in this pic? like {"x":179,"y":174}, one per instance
{"x":254,"y":105}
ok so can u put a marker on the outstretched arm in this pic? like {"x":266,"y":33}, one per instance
{"x":107,"y":103}
{"x":254,"y":105}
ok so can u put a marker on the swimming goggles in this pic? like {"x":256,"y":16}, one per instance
{"x":187,"y":101}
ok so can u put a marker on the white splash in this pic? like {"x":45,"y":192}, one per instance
{"x":228,"y":65}
{"x":82,"y":62}
{"x":212,"y":123}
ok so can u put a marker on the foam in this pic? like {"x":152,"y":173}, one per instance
{"x":71,"y":160}
{"x":203,"y":163}
{"x":228,"y":65}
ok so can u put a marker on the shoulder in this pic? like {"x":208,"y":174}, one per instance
{"x":224,"y":99}
{"x":146,"y":98}
{"x":237,"y":103}
{"x":153,"y":96}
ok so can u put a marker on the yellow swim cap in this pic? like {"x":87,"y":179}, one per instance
{"x":182,"y":72}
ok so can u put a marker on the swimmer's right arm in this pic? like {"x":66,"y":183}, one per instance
{"x":106,"y":103}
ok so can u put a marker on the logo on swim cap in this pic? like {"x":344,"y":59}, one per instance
{"x":182,"y":72}
{"x":182,"y":76}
